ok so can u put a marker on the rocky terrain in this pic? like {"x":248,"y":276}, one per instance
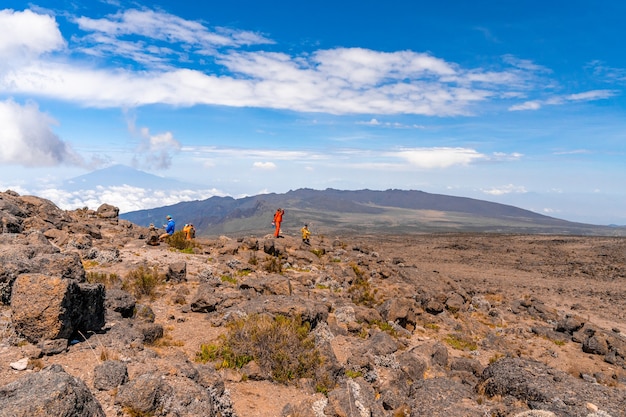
{"x":97,"y":320}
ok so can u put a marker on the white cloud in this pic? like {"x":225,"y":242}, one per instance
{"x":266,"y":166}
{"x":126,"y":197}
{"x":154,"y":151}
{"x":430,"y":158}
{"x":27,"y":138}
{"x":528,"y":105}
{"x":334,"y":81}
{"x":153,"y":31}
{"x":557,"y":100}
{"x":26,"y":35}
{"x":505,"y":189}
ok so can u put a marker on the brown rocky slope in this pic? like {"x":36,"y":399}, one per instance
{"x":96,"y":322}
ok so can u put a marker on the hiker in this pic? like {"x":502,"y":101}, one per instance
{"x":187,"y":231}
{"x":278,"y":218}
{"x":169,"y":228}
{"x":305,"y":234}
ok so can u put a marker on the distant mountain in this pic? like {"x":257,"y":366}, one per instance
{"x":363,"y":211}
{"x":118,"y":175}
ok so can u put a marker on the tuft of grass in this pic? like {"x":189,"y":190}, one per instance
{"x":283,"y":347}
{"x":460,"y":342}
{"x":108,"y":280}
{"x":107,"y":355}
{"x":431,"y":326}
{"x":353,"y":374}
{"x":228,"y":278}
{"x":253,"y":260}
{"x":386,"y":327}
{"x":87,"y":264}
{"x":496,"y":357}
{"x":318,"y":252}
{"x":36,"y":364}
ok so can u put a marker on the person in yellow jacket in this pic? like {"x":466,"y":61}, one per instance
{"x":305,"y":234}
{"x":187,"y":231}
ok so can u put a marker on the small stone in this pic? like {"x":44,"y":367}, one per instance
{"x":20,"y":365}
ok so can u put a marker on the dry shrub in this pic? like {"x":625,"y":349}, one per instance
{"x":272,"y":264}
{"x":143,"y":281}
{"x":108,"y":280}
{"x":283,"y":347}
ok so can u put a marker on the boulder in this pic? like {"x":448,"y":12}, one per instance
{"x":55,"y":308}
{"x":119,"y":303}
{"x":107,"y":211}
{"x":50,"y":392}
{"x":110,"y":374}
{"x":355,"y":397}
{"x":176,"y":272}
{"x":543,"y":387}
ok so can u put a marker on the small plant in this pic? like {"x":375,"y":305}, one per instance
{"x":318,"y":252}
{"x":179,"y":241}
{"x":243,"y":273}
{"x":87,"y":264}
{"x":253,"y":260}
{"x":107,"y":355}
{"x":228,"y":278}
{"x":108,"y":280}
{"x":143,"y":281}
{"x":361,"y":290}
{"x":36,"y":364}
{"x":281,"y":346}
{"x":130,"y":411}
{"x":496,"y":357}
{"x":386,"y":327}
{"x":272,"y":264}
{"x":353,"y":374}
{"x":460,"y":342}
{"x":432,"y":326}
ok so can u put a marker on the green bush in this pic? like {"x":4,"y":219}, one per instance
{"x":282,"y":347}
{"x":178,"y":241}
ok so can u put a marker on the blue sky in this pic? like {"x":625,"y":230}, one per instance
{"x":514,"y":102}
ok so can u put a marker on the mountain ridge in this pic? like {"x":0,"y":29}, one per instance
{"x":369,"y":211}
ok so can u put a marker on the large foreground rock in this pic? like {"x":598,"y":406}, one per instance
{"x":54,"y":308}
{"x":545,"y":388}
{"x":50,"y":392}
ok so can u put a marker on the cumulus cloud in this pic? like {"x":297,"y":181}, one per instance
{"x":26,"y":35}
{"x":153,"y":151}
{"x":430,"y":158}
{"x":28,"y":140}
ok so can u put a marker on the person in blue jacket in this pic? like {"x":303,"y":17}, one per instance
{"x":169,"y":228}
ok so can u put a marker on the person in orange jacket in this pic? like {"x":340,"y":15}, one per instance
{"x":278,"y":218}
{"x":187,"y":231}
